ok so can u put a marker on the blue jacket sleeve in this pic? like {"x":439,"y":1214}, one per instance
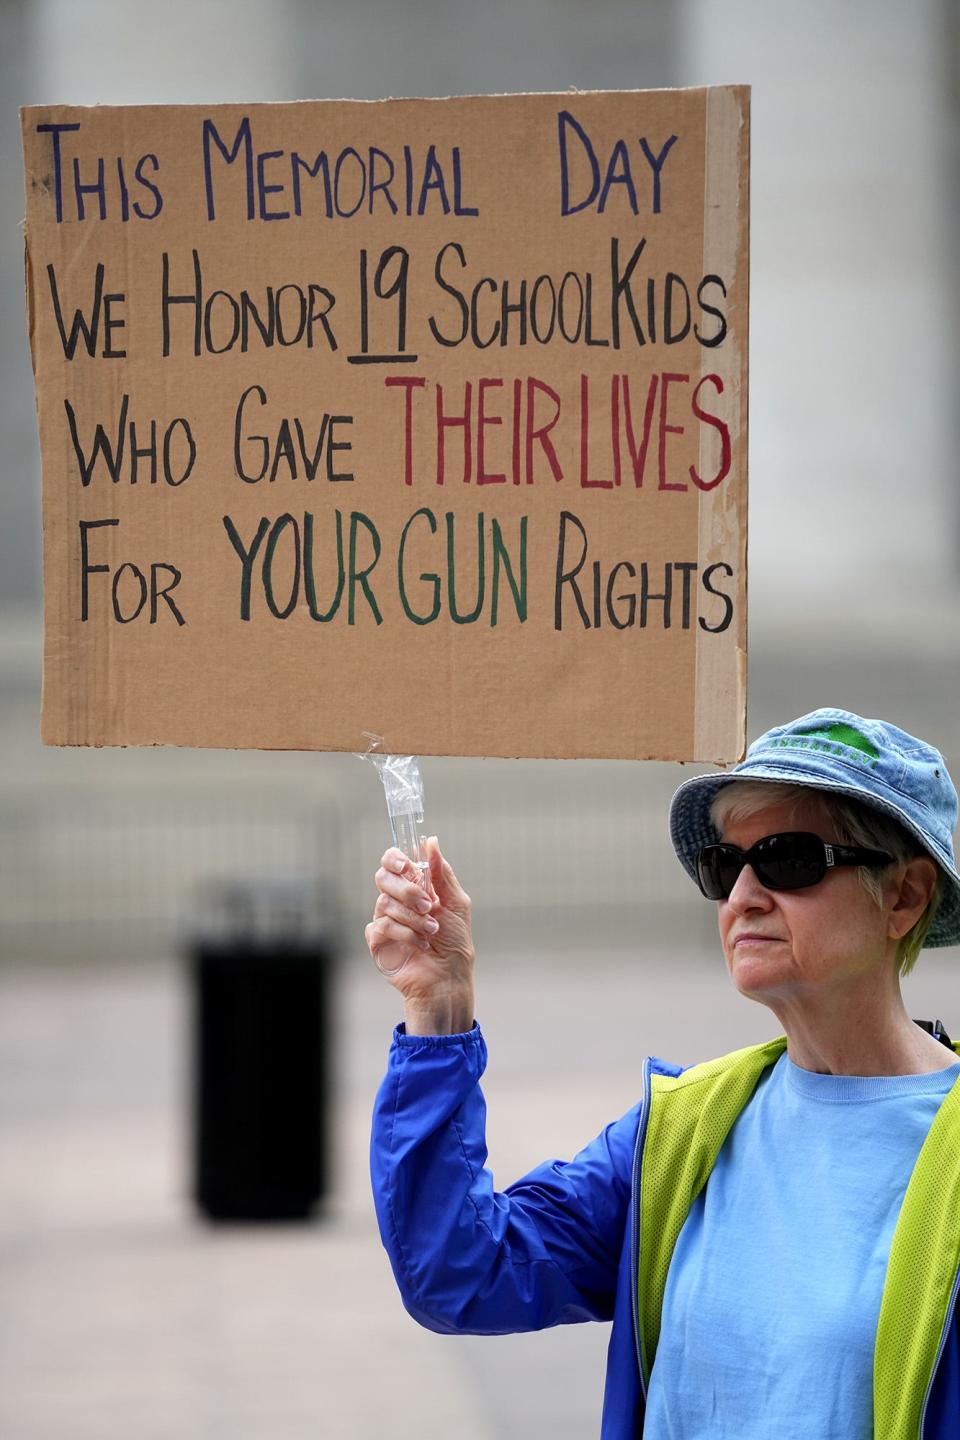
{"x":943,"y":1409}
{"x":466,"y":1258}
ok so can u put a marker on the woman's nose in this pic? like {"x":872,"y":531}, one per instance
{"x":748,"y":893}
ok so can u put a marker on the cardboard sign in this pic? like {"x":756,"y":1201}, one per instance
{"x":422,"y":417}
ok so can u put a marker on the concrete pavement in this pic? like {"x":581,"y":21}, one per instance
{"x":124,"y":1317}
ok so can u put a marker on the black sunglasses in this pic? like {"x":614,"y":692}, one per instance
{"x":790,"y":861}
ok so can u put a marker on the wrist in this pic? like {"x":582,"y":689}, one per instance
{"x":449,"y":1014}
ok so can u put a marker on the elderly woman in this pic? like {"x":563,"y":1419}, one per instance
{"x":775,"y":1234}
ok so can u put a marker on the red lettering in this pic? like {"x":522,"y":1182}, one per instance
{"x":720,"y":426}
{"x":638,"y":458}
{"x":541,"y":432}
{"x":615,"y":426}
{"x":666,"y":381}
{"x":407,"y":383}
{"x":585,"y":482}
{"x":484,"y":419}
{"x":444,"y":422}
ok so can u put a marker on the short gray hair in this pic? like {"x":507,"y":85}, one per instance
{"x":854,"y":824}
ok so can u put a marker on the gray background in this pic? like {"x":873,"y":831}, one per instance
{"x":121,"y":1314}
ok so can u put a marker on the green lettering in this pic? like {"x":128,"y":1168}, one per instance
{"x":455,"y":616}
{"x":247,"y":557}
{"x":309,"y":579}
{"x":425,"y":575}
{"x":277,"y":530}
{"x":500,"y":550}
{"x":359,"y":577}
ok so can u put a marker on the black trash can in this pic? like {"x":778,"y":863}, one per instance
{"x":262,"y":1056}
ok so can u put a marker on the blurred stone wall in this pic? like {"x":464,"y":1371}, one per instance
{"x":854,"y":589}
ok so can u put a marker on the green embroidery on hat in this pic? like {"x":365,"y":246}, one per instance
{"x":841,"y":740}
{"x":846,"y":736}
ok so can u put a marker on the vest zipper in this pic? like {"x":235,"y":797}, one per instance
{"x":951,"y":1307}
{"x":635,"y":1237}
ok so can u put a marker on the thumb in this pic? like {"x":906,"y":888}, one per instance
{"x":446,"y":886}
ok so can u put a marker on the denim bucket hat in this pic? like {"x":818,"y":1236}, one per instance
{"x":868,"y":760}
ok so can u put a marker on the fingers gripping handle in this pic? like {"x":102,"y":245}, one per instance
{"x":403,"y":789}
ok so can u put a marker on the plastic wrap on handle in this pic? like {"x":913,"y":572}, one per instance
{"x":403,"y":789}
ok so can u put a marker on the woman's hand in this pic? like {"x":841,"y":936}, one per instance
{"x":421,"y":941}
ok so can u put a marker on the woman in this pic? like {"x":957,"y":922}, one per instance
{"x":775,"y":1234}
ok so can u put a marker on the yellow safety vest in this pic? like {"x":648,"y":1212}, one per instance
{"x":688,"y":1118}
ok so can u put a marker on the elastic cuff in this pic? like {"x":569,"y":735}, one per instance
{"x":435,"y":1042}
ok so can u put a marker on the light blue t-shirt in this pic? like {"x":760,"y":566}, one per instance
{"x":773,"y":1295}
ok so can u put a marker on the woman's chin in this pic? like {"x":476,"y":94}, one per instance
{"x":756,"y":975}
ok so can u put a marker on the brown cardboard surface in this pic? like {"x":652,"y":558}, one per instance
{"x":281,"y":317}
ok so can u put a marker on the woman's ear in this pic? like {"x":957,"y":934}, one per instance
{"x":911,"y":895}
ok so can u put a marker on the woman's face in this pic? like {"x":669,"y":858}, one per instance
{"x":780,"y":943}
